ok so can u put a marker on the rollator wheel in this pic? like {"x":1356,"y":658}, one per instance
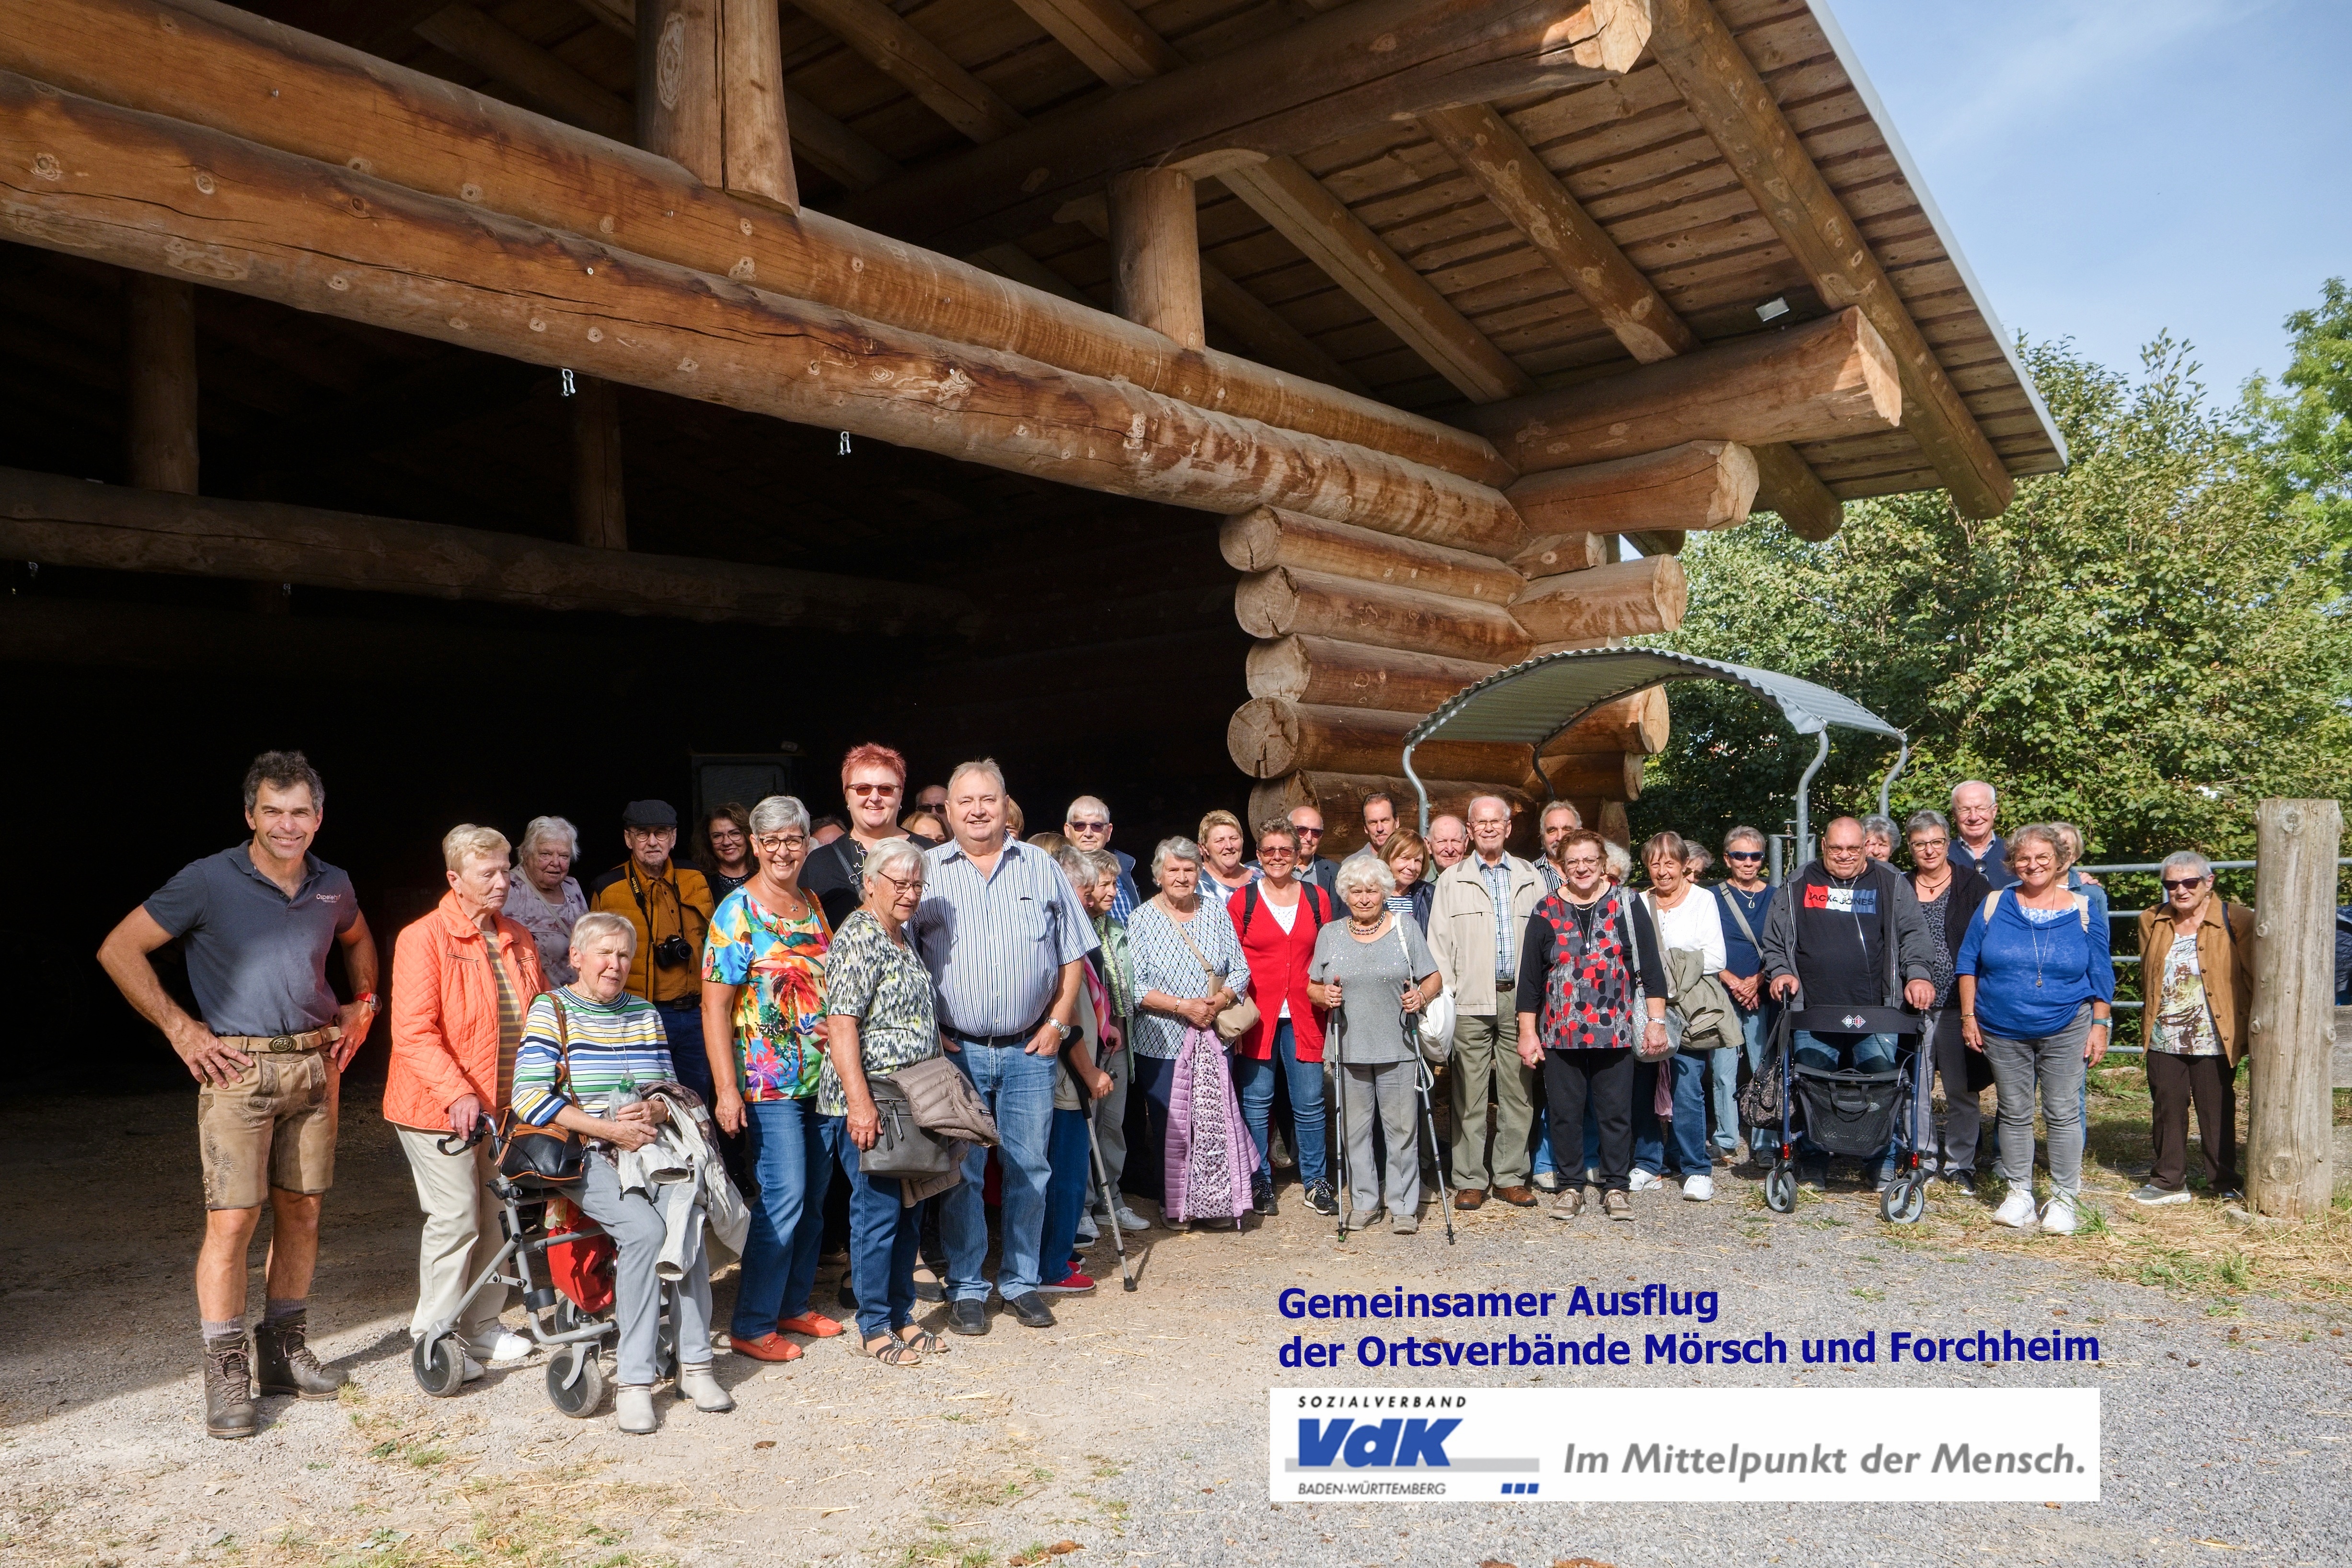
{"x":439,"y":1366}
{"x":1780,"y":1189}
{"x":1905,"y":1201}
{"x":579,"y":1396}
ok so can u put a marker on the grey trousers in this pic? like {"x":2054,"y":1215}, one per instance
{"x":1110,"y":1113}
{"x":1391,"y":1088}
{"x":2055,"y":1062}
{"x":1963,"y":1108}
{"x":461,"y":1235}
{"x":1487,"y":1050}
{"x":636,"y":1225}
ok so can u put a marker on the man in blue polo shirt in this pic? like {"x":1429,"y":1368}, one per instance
{"x":258,"y":921}
{"x":1005,"y":939}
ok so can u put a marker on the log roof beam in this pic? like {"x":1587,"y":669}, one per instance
{"x":1722,"y":88}
{"x":219,"y":66}
{"x":889,"y":43}
{"x":468,"y":33}
{"x":1353,"y":69}
{"x":1523,"y":189}
{"x":117,"y":186}
{"x":68,"y":522}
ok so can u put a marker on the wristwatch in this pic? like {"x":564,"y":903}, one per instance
{"x":373,"y":1007}
{"x":1067,"y":1030}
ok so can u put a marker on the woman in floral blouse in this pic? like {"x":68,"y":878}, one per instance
{"x":763,"y":1028}
{"x":880,"y":1018}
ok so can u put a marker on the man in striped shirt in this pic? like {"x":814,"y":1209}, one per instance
{"x":1005,"y":941}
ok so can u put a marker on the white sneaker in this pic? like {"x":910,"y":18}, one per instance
{"x":507,"y":1346}
{"x":695,"y":1382}
{"x":2058,"y":1216}
{"x":1643,"y":1180}
{"x":2155,"y":1196}
{"x":1698,"y":1189}
{"x":2017,"y":1209}
{"x":634,"y":1407}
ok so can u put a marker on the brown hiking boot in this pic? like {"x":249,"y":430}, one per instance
{"x":228,"y":1390}
{"x":284,"y":1363}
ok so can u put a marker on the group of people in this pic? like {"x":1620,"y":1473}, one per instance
{"x":1273,"y":1006}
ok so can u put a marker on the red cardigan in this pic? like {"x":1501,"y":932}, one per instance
{"x":1278,"y":963}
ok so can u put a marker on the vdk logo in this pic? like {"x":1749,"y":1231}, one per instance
{"x":1397,"y":1443}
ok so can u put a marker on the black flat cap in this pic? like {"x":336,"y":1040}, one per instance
{"x":648,"y":814}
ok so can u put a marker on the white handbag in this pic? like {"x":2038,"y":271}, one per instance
{"x":1435,"y":1025}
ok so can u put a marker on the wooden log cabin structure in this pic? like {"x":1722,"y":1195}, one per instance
{"x":1144,"y":391}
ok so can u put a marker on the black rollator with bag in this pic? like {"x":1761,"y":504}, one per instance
{"x":1841,"y":1111}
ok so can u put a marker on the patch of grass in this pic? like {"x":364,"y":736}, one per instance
{"x":1867,"y":1294}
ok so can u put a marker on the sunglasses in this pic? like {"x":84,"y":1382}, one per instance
{"x":1743,"y":854}
{"x":2172,"y":886}
{"x":866,"y":789}
{"x":1088,"y":827}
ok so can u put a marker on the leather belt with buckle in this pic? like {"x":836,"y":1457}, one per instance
{"x":281,"y":1045}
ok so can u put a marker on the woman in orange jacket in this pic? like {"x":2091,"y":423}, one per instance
{"x":463,"y":978}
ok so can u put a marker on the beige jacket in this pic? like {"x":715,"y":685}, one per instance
{"x":1462,"y":930}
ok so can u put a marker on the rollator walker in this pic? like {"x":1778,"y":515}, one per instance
{"x":561,"y":1261}
{"x":1860,"y":1115}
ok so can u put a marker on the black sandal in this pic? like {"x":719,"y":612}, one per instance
{"x":894,"y":1351}
{"x":922,"y":1342}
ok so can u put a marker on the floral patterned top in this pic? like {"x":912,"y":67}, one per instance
{"x":780,"y":1013}
{"x":883,"y":984}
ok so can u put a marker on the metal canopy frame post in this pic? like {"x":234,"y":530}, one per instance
{"x":1804,"y":802}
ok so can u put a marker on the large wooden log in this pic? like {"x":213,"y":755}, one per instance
{"x":600,"y":510}
{"x":1340,"y":798}
{"x":1721,"y":88}
{"x":1606,"y":817}
{"x":1331,"y":673}
{"x":1639,"y":723}
{"x":1522,"y":186}
{"x":1155,"y":248}
{"x":754,"y":136}
{"x":225,"y":68}
{"x":1607,"y":775}
{"x":1271,"y":736}
{"x":71,"y":523}
{"x":1785,"y":486}
{"x":886,"y":41}
{"x":1266,"y":537}
{"x":2290,"y":1168}
{"x":259,"y":222}
{"x":677,"y":86}
{"x":1353,"y":69}
{"x":1698,"y":485}
{"x":1630,"y":598}
{"x":1315,"y":603}
{"x":1556,"y":553}
{"x":1827,"y":378}
{"x":159,"y":383}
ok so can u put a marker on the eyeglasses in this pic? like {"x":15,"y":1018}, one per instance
{"x":1581,"y":864}
{"x":1088,"y":826}
{"x":1311,"y":833}
{"x":916,"y":886}
{"x":776,"y":843}
{"x":1743,"y":854}
{"x":1277,"y":855}
{"x":862,"y":790}
{"x":2172,"y":886}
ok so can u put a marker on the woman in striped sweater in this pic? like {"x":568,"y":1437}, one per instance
{"x":614,"y":1045}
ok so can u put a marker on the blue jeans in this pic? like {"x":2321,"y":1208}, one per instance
{"x":883,"y":1232}
{"x":682,"y":1022}
{"x":785,"y":1139}
{"x":1691,"y":1156}
{"x":1072,"y":1159}
{"x":1539,"y":1158}
{"x":1254,"y":1080}
{"x":1018,"y":1090}
{"x":1867,"y":1053}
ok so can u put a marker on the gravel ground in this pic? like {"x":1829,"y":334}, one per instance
{"x":1135,"y":1430}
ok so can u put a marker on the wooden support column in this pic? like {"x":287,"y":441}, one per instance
{"x":599,"y":516}
{"x":1155,"y":248}
{"x":677,"y":86}
{"x":2290,"y":1168}
{"x":159,"y":379}
{"x":756,"y":143}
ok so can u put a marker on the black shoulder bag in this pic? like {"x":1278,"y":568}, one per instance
{"x":550,"y":1155}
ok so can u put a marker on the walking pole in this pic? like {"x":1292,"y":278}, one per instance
{"x":1338,"y":1033}
{"x":1427,"y":1080}
{"x":1110,"y":1203}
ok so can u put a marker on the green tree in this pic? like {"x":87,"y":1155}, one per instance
{"x":2308,"y":422}
{"x":2146,"y":644}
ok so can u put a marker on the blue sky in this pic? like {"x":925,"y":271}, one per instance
{"x":2116,"y":168}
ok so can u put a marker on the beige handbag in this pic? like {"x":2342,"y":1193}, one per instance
{"x":1236,"y":1020}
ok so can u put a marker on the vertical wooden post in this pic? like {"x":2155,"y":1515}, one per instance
{"x":678,"y":84}
{"x":599,"y":516}
{"x":1155,"y":244}
{"x":757,"y":144}
{"x":2290,"y":1170}
{"x":159,"y":344}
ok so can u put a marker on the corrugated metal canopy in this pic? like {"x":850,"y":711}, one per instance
{"x":1533,"y":701}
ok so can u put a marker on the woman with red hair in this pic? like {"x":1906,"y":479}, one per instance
{"x":873,"y":788}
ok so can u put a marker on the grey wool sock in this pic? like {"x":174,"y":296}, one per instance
{"x":228,"y":1328}
{"x":280,"y":1309}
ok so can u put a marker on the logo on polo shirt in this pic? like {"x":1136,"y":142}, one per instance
{"x":1842,"y":900}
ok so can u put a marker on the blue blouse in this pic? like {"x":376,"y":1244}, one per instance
{"x":2032,"y":975}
